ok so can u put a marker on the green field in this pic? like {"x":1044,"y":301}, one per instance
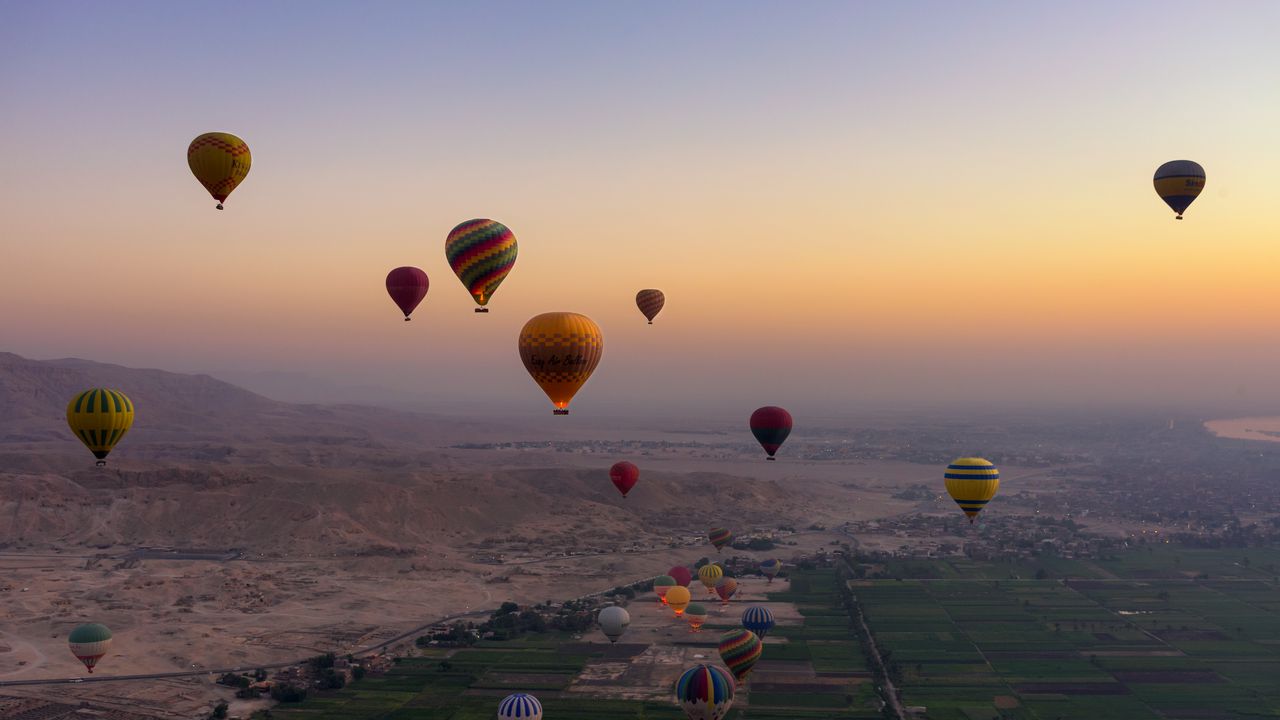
{"x":1169,"y":633}
{"x":475,"y":679}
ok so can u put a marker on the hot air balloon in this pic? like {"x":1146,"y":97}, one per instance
{"x":770,"y":568}
{"x":758,"y":619}
{"x":100,"y":418}
{"x":771,"y":426}
{"x":1178,"y":183}
{"x":725,"y":588}
{"x":972,"y":482}
{"x":705,"y":692}
{"x":681,"y":575}
{"x":720,"y":537}
{"x":678,"y":598}
{"x":696,"y":614}
{"x":613,"y":622}
{"x":520,"y":706}
{"x":89,"y":643}
{"x":220,"y":161}
{"x":407,"y":286}
{"x":624,"y":476}
{"x":481,"y":253}
{"x":710,"y":575}
{"x":650,"y":303}
{"x":662,"y":585}
{"x":560,"y":350}
{"x":740,"y":649}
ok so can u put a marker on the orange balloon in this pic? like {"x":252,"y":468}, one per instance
{"x":560,"y":350}
{"x":678,"y":598}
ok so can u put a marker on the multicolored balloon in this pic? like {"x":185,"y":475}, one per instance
{"x":681,"y":575}
{"x":482,"y":254}
{"x":740,"y":649}
{"x":771,"y":425}
{"x":720,"y":537}
{"x":705,"y":692}
{"x":520,"y":706}
{"x":560,"y":350}
{"x":696,"y":614}
{"x":613,"y":622}
{"x":710,"y":575}
{"x":407,"y":286}
{"x":100,"y":418}
{"x":220,"y":161}
{"x":725,"y":588}
{"x":650,"y":303}
{"x":770,"y":568}
{"x":89,"y":643}
{"x":758,"y":619}
{"x":678,"y":598}
{"x":1179,"y":183}
{"x":972,"y":482}
{"x":624,"y":476}
{"x":662,"y":585}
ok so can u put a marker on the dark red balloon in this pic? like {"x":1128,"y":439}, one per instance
{"x":624,"y":476}
{"x":681,"y":574}
{"x":407,"y":286}
{"x":771,"y":426}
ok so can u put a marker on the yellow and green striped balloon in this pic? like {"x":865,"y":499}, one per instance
{"x":100,"y":418}
{"x":972,"y":482}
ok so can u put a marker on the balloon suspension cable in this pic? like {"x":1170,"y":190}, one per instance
{"x":483,"y":310}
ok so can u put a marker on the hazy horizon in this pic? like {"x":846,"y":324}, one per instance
{"x":849,"y":206}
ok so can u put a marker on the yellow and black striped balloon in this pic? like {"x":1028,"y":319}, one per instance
{"x":100,"y":418}
{"x":972,"y":482}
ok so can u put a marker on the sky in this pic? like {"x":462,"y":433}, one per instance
{"x":849,"y":205}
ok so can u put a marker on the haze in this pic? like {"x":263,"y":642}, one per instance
{"x":848,"y":205}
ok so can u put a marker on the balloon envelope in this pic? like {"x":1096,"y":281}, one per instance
{"x":696,"y":614}
{"x":650,"y":303}
{"x":705,"y":692}
{"x":407,"y":286}
{"x":482,"y":253}
{"x":771,"y":425}
{"x":726,"y":587}
{"x":720,"y":537}
{"x":614,"y":621}
{"x":89,"y":643}
{"x":678,"y":598}
{"x":770,"y":568}
{"x":220,"y":161}
{"x":100,"y":418}
{"x":624,"y":476}
{"x":560,"y":350}
{"x":740,"y":649}
{"x":520,"y":706}
{"x":972,"y":482}
{"x":758,"y":619}
{"x":710,"y":575}
{"x":1179,"y":183}
{"x":681,"y":575}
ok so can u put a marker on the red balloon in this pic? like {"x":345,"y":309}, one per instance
{"x":771,"y":425}
{"x":624,"y":476}
{"x":681,"y":574}
{"x":407,"y":286}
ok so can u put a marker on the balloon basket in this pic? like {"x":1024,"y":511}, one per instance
{"x":100,"y":463}
{"x":559,"y":411}
{"x":219,"y":206}
{"x":771,"y":458}
{"x":482,"y":310}
{"x":406,"y":318}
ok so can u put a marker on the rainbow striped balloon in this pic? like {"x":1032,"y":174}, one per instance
{"x":972,"y":482}
{"x":705,"y":692}
{"x":740,"y":649}
{"x":720,"y":537}
{"x":481,"y":253}
{"x":521,"y":706}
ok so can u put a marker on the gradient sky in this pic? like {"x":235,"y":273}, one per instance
{"x":848,"y":204}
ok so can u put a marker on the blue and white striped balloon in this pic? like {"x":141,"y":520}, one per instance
{"x":758,"y":620}
{"x":520,"y":705}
